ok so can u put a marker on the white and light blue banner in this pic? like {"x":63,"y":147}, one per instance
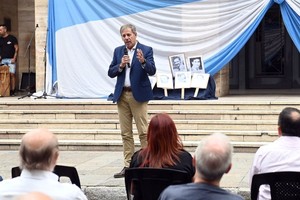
{"x":82,"y":35}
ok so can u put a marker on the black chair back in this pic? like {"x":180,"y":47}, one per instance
{"x":148,"y":183}
{"x":283,"y":185}
{"x":59,"y":170}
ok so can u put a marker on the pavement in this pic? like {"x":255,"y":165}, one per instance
{"x":96,"y":169}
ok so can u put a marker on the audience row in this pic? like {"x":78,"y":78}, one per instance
{"x":212,"y":159}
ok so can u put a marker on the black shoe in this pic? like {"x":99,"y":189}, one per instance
{"x":121,"y":174}
{"x":12,"y":93}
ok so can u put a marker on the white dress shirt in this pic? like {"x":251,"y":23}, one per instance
{"x":39,"y":181}
{"x":281,"y":155}
{"x":127,"y":76}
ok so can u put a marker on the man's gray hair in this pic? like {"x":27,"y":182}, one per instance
{"x":213,"y":157}
{"x":132,"y":27}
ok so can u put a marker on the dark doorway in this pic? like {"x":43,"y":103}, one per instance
{"x":269,"y":60}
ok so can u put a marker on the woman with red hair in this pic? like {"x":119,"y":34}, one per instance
{"x":164,"y":148}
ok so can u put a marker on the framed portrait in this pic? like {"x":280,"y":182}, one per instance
{"x":199,"y":80}
{"x":182,"y":80}
{"x":196,"y":64}
{"x":164,"y":80}
{"x":177,"y":63}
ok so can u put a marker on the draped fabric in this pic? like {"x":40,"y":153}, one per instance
{"x":83,"y":34}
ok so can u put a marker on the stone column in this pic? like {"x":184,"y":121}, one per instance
{"x":222,"y":82}
{"x":41,"y":18}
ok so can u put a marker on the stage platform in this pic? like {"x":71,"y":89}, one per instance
{"x":271,"y":95}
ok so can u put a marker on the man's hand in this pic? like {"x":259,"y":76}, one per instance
{"x":140,"y":56}
{"x":125,"y":59}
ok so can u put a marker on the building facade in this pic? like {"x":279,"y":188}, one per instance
{"x":269,"y":60}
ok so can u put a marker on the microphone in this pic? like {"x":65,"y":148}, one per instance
{"x":126,"y":53}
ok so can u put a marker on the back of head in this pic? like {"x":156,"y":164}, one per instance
{"x":164,"y":143}
{"x":213,"y":157}
{"x":34,"y":196}
{"x":289,"y":121}
{"x":39,"y":150}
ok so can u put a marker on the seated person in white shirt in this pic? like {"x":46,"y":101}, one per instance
{"x":38,"y":154}
{"x":34,"y":196}
{"x":282,"y":154}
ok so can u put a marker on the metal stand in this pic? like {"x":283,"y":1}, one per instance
{"x":44,"y":96}
{"x":29,"y":72}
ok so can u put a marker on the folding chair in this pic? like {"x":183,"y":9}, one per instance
{"x":59,"y":170}
{"x":148,"y":183}
{"x":283,"y":185}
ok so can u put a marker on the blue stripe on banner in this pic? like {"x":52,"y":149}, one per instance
{"x":51,"y":45}
{"x":291,"y":22}
{"x":76,"y":12}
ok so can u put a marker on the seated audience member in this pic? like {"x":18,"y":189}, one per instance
{"x":212,"y":159}
{"x":282,"y":154}
{"x":164,"y":148}
{"x":38,"y":154}
{"x":34,"y":196}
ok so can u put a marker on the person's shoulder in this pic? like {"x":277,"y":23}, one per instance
{"x":142,"y":46}
{"x":175,"y":189}
{"x":235,"y":197}
{"x":181,"y":191}
{"x":12,"y":36}
{"x":136,"y":154}
{"x":183,"y":152}
{"x":266,"y":148}
{"x":136,"y":159}
{"x":228,"y":195}
{"x":120,"y":47}
{"x":8,"y":184}
{"x":72,"y":190}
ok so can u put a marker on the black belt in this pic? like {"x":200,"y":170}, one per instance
{"x":127,"y":89}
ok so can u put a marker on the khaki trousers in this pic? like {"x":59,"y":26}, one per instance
{"x":129,"y":109}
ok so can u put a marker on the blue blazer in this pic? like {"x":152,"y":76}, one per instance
{"x":139,"y":80}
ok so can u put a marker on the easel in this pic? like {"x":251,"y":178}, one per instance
{"x":165,"y":92}
{"x":182,"y":93}
{"x":196,"y":92}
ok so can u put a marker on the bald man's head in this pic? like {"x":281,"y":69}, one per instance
{"x":39,"y":150}
{"x":289,"y":121}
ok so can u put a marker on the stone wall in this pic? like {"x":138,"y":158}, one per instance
{"x":21,"y":15}
{"x":41,"y":18}
{"x":222,"y":82}
{"x":26,"y":38}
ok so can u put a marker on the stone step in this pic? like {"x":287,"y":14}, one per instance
{"x":117,"y":145}
{"x":113,"y":114}
{"x":93,"y":124}
{"x":186,"y":135}
{"x":100,"y":104}
{"x":250,"y":125}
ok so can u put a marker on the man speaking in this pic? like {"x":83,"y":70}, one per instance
{"x":133,"y":88}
